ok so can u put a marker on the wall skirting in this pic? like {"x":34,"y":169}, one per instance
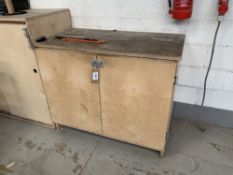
{"x":218,"y":117}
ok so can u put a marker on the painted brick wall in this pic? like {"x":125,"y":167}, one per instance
{"x":151,"y":16}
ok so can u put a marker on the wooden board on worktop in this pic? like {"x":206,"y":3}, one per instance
{"x":30,"y":14}
{"x":49,"y":24}
{"x":41,"y":22}
{"x":134,"y":44}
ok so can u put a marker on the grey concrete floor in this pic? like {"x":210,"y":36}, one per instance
{"x":37,"y":150}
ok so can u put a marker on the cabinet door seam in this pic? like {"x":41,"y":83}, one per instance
{"x":101,"y":110}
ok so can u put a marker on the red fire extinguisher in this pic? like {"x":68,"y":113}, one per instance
{"x":222,"y":7}
{"x":181,"y":9}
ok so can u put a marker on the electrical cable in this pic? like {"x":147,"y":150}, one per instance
{"x":202,"y":126}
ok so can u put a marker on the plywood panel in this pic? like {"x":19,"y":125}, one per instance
{"x":136,"y":96}
{"x":123,"y":43}
{"x":21,"y":90}
{"x":32,"y":13}
{"x":74,"y":101}
{"x":49,"y":24}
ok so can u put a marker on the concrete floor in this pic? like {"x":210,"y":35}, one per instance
{"x":42,"y":151}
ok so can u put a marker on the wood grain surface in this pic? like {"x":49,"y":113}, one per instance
{"x":134,"y":44}
{"x":136,"y":98}
{"x":73,"y":99}
{"x":21,"y":90}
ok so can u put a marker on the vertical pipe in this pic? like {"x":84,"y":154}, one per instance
{"x":9,"y":6}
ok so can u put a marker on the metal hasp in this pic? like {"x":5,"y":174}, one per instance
{"x":180,"y":9}
{"x":97,"y":63}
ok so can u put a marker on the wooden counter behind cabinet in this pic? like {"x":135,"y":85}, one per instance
{"x":21,"y":91}
{"x":131,"y":102}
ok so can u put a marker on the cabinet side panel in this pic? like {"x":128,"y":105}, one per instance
{"x":73,"y":99}
{"x":136,"y":95}
{"x":21,"y":89}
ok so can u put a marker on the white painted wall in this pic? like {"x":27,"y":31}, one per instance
{"x":152,"y":16}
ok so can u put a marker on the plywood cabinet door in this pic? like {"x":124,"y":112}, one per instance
{"x":73,"y":99}
{"x":136,"y":98}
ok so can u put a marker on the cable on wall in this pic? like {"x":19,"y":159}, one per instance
{"x":202,"y":126}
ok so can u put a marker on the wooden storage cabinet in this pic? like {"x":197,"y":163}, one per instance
{"x":21,"y":90}
{"x":131,"y":102}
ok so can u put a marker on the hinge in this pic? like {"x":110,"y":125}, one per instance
{"x":167,"y":134}
{"x":175,"y":80}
